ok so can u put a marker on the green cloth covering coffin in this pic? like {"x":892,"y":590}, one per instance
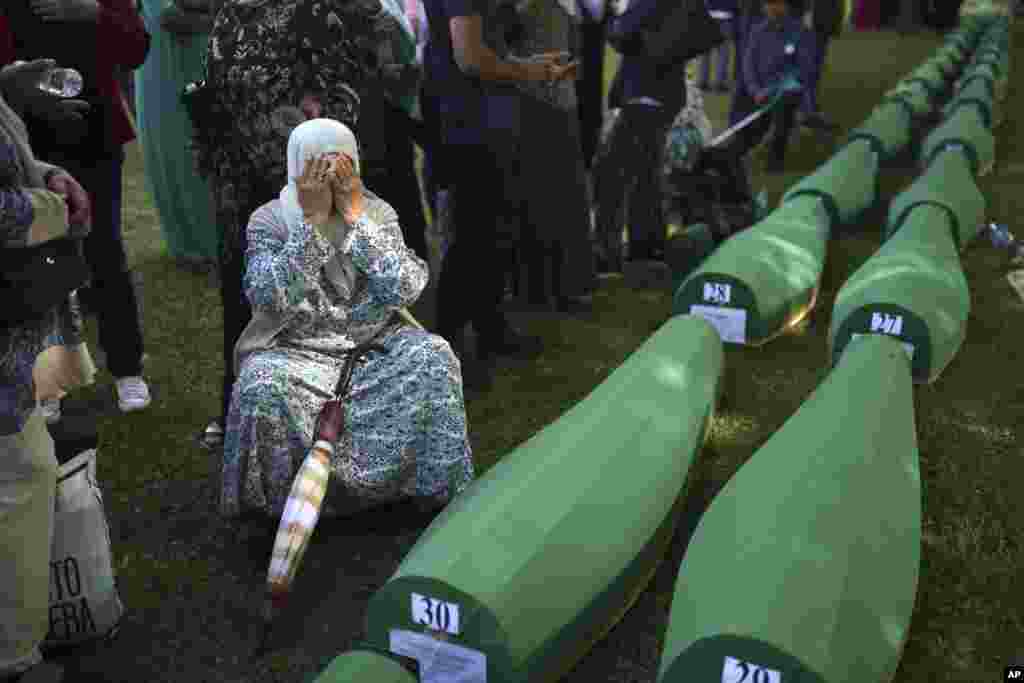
{"x":181,"y":196}
{"x":686,"y":250}
{"x":548,"y":549}
{"x":887,"y":128}
{"x":847,"y":183}
{"x":931,"y":77}
{"x":764,"y":278}
{"x":963,"y":128}
{"x":947,"y":183}
{"x":978,"y":92}
{"x":913,"y":289}
{"x":914,"y":95}
{"x":805,"y":566}
{"x":362,"y":665}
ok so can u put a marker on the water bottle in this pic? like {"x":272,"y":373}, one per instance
{"x":58,"y":81}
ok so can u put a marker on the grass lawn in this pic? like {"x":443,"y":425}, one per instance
{"x":192,"y":587}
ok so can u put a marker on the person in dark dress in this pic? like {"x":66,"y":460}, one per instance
{"x":590,"y":84}
{"x":826,"y":20}
{"x":479,"y":130}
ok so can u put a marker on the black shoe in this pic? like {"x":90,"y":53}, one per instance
{"x":574,"y":305}
{"x":509,"y":343}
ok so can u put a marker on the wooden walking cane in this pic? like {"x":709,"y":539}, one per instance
{"x":302,"y":509}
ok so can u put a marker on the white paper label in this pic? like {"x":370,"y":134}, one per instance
{"x":731,"y":323}
{"x":738,"y":671}
{"x":717,"y":293}
{"x":435,"y":614}
{"x":440,"y":662}
{"x":887,"y":324}
{"x":907,"y":346}
{"x":1016,"y":280}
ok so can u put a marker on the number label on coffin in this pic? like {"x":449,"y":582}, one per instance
{"x":440,"y":662}
{"x":738,"y":671}
{"x":435,"y":614}
{"x":907,"y":346}
{"x":715,"y":293}
{"x":731,"y":323}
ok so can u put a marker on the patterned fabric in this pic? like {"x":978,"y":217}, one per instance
{"x":405,"y":427}
{"x":263,"y":58}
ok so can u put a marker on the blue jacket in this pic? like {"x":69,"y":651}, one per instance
{"x":730,"y":6}
{"x":775,"y":49}
{"x":638,"y":76}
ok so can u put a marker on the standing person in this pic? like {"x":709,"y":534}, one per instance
{"x":556,"y":210}
{"x":649,"y":95}
{"x":181,"y":196}
{"x":39,"y":360}
{"x":271,"y":65}
{"x":387,"y":129}
{"x":98,"y":38}
{"x":479,"y":131}
{"x":867,"y":15}
{"x":826,"y":21}
{"x":748,"y":16}
{"x":779,"y":47}
{"x":725,"y":12}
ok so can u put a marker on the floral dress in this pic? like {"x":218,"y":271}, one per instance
{"x":405,"y":429}
{"x":264,"y":56}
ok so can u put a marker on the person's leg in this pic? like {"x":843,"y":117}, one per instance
{"x":646,"y":217}
{"x":472,"y":277}
{"x":722,"y":68}
{"x":783,"y":120}
{"x":704,"y":80}
{"x":28,"y":476}
{"x":112,"y":294}
{"x":613,"y":176}
{"x":590,"y":89}
{"x":396,"y":184}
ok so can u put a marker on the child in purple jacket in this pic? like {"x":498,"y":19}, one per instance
{"x":778,"y":47}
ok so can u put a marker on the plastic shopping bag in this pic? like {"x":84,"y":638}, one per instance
{"x":84,"y":602}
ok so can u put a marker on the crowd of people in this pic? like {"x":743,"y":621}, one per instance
{"x":298,"y":179}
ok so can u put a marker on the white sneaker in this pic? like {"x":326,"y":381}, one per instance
{"x":132,"y":394}
{"x":50,"y":410}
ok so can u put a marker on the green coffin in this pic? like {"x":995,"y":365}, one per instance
{"x":945,"y":64}
{"x":988,"y":71}
{"x":763,"y":279}
{"x":685,"y":251}
{"x":947,"y":183}
{"x":913,"y":289}
{"x":805,"y":566}
{"x":848,"y":182}
{"x":931,"y":77}
{"x":540,"y":556}
{"x":915,"y":95}
{"x":887,"y":128}
{"x":964,"y":127}
{"x":976,"y":92}
{"x":364,"y":666}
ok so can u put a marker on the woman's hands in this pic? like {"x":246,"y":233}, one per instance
{"x":314,"y":191}
{"x":330,"y":183}
{"x":348,"y":190}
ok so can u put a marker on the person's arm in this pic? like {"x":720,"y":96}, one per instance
{"x":122,"y":34}
{"x":396,"y":276}
{"x":475,"y":58}
{"x":278,"y":258}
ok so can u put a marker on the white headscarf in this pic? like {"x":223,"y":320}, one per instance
{"x":309,"y":140}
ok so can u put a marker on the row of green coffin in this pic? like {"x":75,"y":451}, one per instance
{"x":766,"y":277}
{"x":790,"y":576}
{"x":760,"y":280}
{"x":532,"y":564}
{"x":914,"y":287}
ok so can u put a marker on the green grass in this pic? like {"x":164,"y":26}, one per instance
{"x":967,"y":624}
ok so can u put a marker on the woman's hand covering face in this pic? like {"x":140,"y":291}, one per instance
{"x":348,"y":189}
{"x":314,"y":190}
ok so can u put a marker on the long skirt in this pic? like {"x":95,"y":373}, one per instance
{"x":556,"y":212}
{"x":181,"y":196}
{"x":405,"y":429}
